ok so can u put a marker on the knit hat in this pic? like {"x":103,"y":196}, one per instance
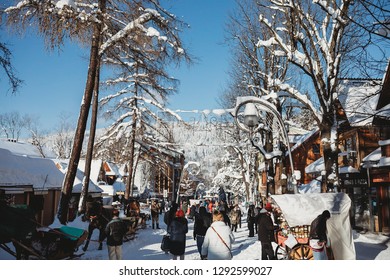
{"x":180,"y":213}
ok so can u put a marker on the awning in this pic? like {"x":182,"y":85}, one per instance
{"x":372,"y":159}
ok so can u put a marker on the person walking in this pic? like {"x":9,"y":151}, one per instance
{"x":251,"y":218}
{"x":155,"y":213}
{"x":184,"y":207}
{"x":170,"y":214}
{"x":202,"y":222}
{"x":235,"y":217}
{"x":218,"y":240}
{"x":177,"y":230}
{"x":265,"y":234}
{"x":115,"y":231}
{"x":318,"y":236}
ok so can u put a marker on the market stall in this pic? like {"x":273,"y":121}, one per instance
{"x":294,"y":214}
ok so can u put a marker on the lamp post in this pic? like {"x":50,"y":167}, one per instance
{"x":259,"y":115}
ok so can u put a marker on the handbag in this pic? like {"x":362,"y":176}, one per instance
{"x":165,"y":243}
{"x":223,"y":241}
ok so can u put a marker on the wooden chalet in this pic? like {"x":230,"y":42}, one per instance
{"x":364,"y":128}
{"x":158,"y":171}
{"x":27,"y":178}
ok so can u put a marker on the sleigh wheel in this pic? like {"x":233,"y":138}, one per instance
{"x":301,"y":252}
{"x":281,"y":253}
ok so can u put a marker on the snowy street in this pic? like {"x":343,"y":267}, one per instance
{"x":146,"y":246}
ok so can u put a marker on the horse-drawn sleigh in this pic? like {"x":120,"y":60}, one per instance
{"x":294,"y":214}
{"x":30,"y":241}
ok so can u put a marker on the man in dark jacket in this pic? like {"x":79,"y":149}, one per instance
{"x":170,"y":214}
{"x":265,"y":233}
{"x":203,"y":220}
{"x":318,"y":237}
{"x":155,"y":213}
{"x":251,"y":218}
{"x":115,"y":231}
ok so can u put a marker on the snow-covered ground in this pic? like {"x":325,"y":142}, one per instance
{"x":146,"y":245}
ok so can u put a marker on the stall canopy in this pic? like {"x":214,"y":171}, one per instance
{"x":302,"y":209}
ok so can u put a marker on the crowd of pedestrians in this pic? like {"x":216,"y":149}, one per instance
{"x":215,"y":223}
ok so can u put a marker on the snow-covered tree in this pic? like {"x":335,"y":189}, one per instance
{"x":321,"y":41}
{"x":110,"y":28}
{"x":141,"y":86}
{"x":237,"y":171}
{"x":249,"y":63}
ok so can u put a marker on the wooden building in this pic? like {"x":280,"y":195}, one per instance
{"x":363,"y":129}
{"x":157,"y":171}
{"x":26,"y":178}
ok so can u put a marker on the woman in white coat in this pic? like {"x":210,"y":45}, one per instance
{"x":218,"y":240}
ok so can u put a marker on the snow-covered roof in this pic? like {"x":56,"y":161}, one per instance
{"x":318,"y":166}
{"x":359,"y":100}
{"x":39,"y":173}
{"x":314,"y":186}
{"x":372,"y":157}
{"x":375,"y":159}
{"x":384,"y":112}
{"x":114,"y":169}
{"x":78,"y":181}
{"x":96,"y":166}
{"x":112,"y":190}
{"x":25,"y":149}
{"x":303,"y":138}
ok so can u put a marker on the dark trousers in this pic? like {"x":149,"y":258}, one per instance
{"x":199,"y":243}
{"x":251,"y":227}
{"x":267,"y":252}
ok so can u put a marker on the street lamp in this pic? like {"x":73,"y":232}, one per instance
{"x":251,"y":118}
{"x":254,"y":114}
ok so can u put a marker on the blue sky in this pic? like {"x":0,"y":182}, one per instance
{"x":54,"y":81}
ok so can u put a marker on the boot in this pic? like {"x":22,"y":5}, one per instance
{"x":153,"y":226}
{"x":157,"y":226}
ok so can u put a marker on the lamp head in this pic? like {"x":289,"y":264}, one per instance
{"x":251,"y":118}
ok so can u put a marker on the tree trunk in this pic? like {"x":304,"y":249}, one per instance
{"x":129,"y":185}
{"x":82,"y":123}
{"x":330,"y":155}
{"x":91,"y":141}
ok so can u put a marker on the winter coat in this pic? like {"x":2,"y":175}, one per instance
{"x":203,"y":221}
{"x":213,"y":246}
{"x":265,"y":228}
{"x":177,"y":231}
{"x":170,"y":214}
{"x":251,"y":214}
{"x":115,"y":231}
{"x":154,"y":209}
{"x":235,"y":216}
{"x":318,"y":229}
